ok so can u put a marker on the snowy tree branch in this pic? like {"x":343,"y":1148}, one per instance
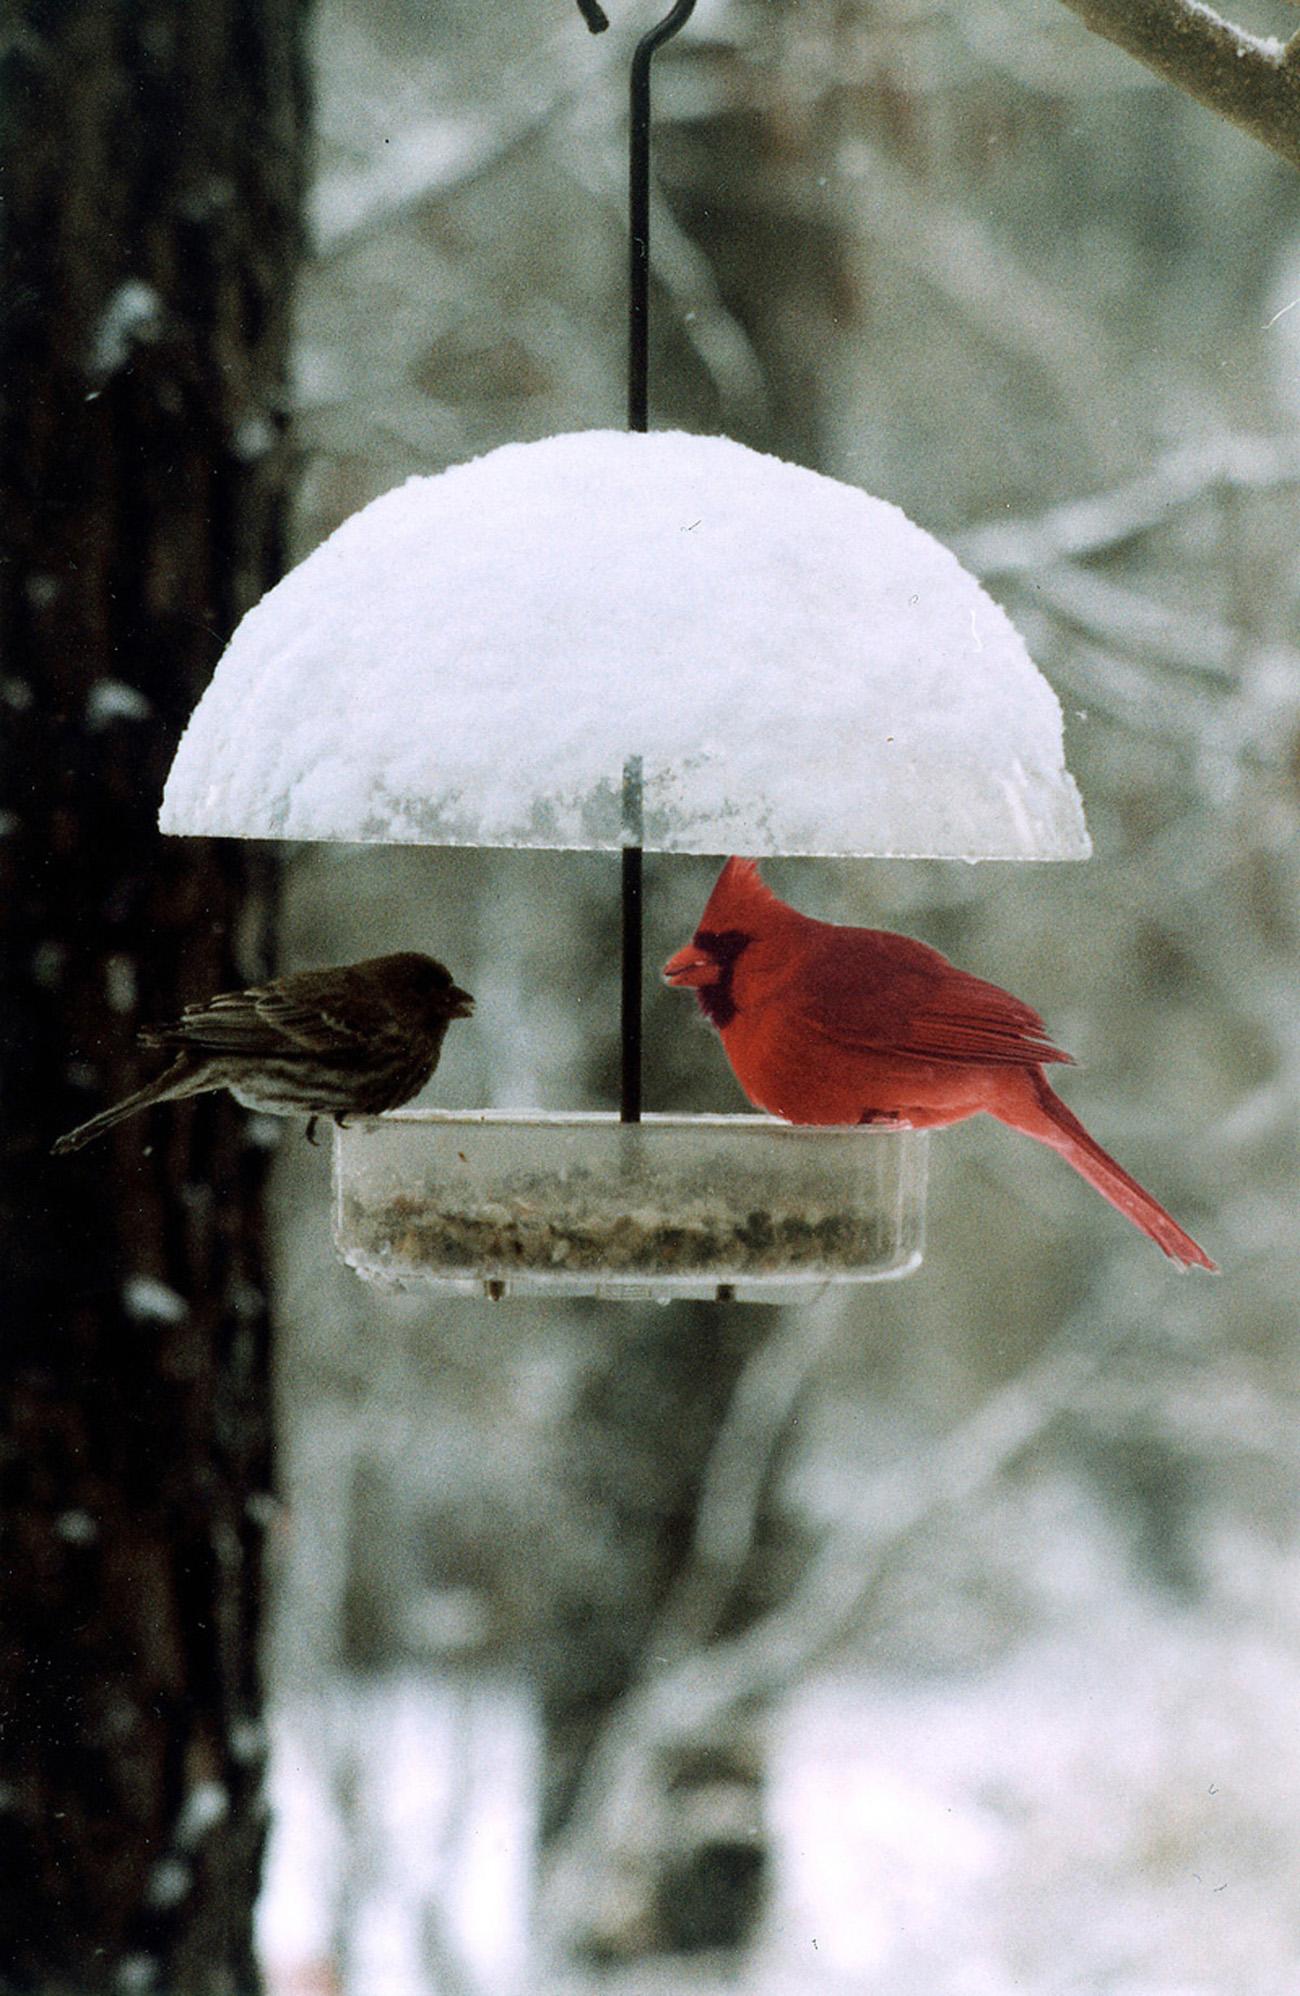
{"x":688,"y":280}
{"x":619,"y":1788}
{"x":977,"y":272}
{"x":1106,"y":521}
{"x":736,"y":1479}
{"x":1252,"y":80}
{"x":428,"y":160}
{"x":685,"y":1697}
{"x":1044,"y":561}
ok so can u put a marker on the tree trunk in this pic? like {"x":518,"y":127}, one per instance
{"x":152,"y":161}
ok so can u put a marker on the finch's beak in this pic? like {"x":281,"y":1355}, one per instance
{"x":460,"y":1005}
{"x":690,"y":966}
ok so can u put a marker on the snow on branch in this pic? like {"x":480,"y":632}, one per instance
{"x":428,"y":160}
{"x":1046,"y":558}
{"x":737,"y":1481}
{"x":1252,"y":80}
{"x":1106,"y":521}
{"x":688,"y":280}
{"x":975,"y":269}
{"x":685,"y":1696}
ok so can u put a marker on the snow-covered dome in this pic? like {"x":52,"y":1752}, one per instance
{"x":477,"y":658}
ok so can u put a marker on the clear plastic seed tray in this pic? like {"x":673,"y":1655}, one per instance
{"x":720,"y":1207}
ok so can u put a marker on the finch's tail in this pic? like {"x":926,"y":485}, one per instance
{"x":1040,"y":1113}
{"x":181,"y":1078}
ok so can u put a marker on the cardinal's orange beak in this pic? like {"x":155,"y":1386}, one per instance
{"x":690,"y":966}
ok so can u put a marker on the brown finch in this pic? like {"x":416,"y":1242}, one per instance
{"x":352,"y":1040}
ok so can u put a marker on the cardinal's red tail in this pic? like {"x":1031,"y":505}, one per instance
{"x":1040,"y":1112}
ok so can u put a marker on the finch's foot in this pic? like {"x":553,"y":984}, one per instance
{"x":311,"y":1130}
{"x":883,"y":1119}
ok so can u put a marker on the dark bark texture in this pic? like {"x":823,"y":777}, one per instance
{"x":151,"y":164}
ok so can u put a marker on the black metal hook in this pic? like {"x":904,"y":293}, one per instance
{"x":639,"y":192}
{"x":676,"y":18}
{"x":639,"y":211}
{"x":598,"y":20}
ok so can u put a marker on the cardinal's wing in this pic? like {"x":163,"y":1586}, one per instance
{"x":875,"y":992}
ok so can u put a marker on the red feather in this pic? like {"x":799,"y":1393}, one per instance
{"x":824,"y":1023}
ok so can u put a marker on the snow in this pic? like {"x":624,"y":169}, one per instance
{"x":76,"y":1528}
{"x":1084,"y":1815}
{"x":132,"y":317}
{"x":206,"y":1804}
{"x":403,"y":1804}
{"x":112,"y":700}
{"x":475,"y":658}
{"x":168,"y":1884}
{"x":146,"y":1300}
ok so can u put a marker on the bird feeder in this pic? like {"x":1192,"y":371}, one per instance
{"x":630,"y":642}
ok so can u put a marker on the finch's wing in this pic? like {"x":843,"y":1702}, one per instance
{"x":228,"y":1023}
{"x":882,"y":993}
{"x":313,"y":1012}
{"x":338,"y":1017}
{"x":232,"y":1022}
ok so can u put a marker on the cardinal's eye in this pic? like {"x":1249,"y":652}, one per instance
{"x":723,"y":945}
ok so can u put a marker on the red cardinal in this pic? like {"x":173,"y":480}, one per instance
{"x":828,"y":1024}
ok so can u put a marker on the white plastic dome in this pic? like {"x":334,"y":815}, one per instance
{"x":476,"y":658}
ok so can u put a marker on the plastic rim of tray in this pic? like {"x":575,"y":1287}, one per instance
{"x":723,"y":1208}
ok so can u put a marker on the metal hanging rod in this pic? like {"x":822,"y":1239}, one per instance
{"x":638,"y":368}
{"x":638,"y":212}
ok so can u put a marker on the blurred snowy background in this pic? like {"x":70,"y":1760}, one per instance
{"x":946,"y":1640}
